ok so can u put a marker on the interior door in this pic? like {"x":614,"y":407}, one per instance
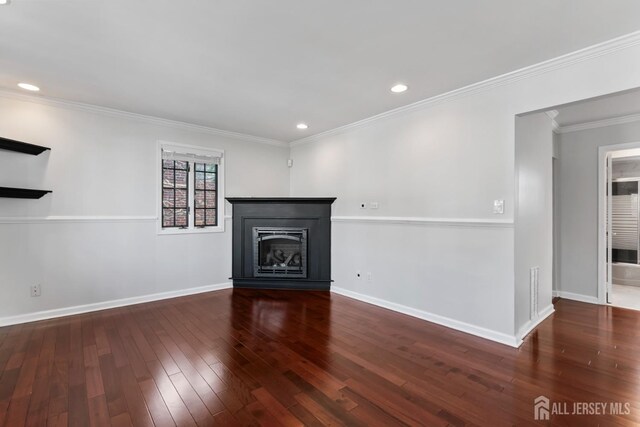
{"x":608,"y":204}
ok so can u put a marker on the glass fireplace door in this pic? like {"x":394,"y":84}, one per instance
{"x":280,"y":252}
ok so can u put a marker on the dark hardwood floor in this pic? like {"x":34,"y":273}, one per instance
{"x":292,"y":358}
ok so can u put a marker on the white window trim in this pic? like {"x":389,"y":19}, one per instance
{"x":220,"y":202}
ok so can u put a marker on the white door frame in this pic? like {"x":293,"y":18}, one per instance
{"x":603,"y":150}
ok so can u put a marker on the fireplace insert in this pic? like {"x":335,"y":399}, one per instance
{"x":280,"y":252}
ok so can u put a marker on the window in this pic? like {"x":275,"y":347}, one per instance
{"x":191,"y":190}
{"x":206,"y":181}
{"x":175,"y":193}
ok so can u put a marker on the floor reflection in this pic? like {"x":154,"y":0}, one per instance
{"x":300,"y":318}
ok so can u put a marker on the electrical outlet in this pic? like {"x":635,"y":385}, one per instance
{"x":373,"y":205}
{"x":36,"y":291}
{"x":363,"y":205}
{"x":498,"y":206}
{"x":369,"y":277}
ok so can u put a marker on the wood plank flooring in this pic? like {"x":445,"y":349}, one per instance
{"x":290,"y":358}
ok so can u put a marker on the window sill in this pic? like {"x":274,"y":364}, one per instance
{"x":177,"y":231}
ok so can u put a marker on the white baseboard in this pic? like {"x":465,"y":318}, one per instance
{"x":479,"y":331}
{"x":576,"y":297}
{"x":533,"y":323}
{"x":79,"y":309}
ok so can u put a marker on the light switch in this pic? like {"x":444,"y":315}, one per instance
{"x":498,"y":206}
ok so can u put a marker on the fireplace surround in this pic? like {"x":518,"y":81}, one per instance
{"x":281,"y":242}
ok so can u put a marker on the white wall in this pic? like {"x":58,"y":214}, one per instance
{"x":104,"y":165}
{"x":534,"y":217}
{"x":443,"y":160}
{"x":578,"y":195}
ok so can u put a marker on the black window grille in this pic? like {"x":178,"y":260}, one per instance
{"x":175,"y":194}
{"x":206,"y":194}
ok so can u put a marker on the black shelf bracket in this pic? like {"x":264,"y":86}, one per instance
{"x":21,"y":147}
{"x":22,"y":193}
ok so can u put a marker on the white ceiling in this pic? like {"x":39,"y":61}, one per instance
{"x":607,"y":107}
{"x":259,"y":67}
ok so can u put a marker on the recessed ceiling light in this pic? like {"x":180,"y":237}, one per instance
{"x":399,"y":88}
{"x":302,"y":126}
{"x":27,"y":86}
{"x":3,"y":2}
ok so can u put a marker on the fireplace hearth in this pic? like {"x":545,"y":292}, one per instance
{"x":282,"y":243}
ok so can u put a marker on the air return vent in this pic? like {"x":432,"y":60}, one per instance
{"x":534,"y":288}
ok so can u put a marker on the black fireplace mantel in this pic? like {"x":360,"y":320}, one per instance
{"x":311,"y":214}
{"x":287,"y":200}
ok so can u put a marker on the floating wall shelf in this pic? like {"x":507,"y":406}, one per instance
{"x":22,"y":193}
{"x":21,"y":147}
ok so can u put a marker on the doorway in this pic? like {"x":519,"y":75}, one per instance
{"x":620,"y":232}
{"x":586,"y":136}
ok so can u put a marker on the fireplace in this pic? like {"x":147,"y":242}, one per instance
{"x":279,"y":252}
{"x":281,"y":243}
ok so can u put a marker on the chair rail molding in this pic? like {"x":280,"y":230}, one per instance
{"x":412,"y":220}
{"x":82,"y":219}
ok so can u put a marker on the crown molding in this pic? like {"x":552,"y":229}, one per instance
{"x":600,"y":123}
{"x":559,"y":62}
{"x":78,"y":106}
{"x":552,"y":114}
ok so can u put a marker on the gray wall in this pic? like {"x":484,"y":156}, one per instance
{"x":91,"y":240}
{"x":435,"y":170}
{"x":578,"y":199}
{"x":534,"y":215}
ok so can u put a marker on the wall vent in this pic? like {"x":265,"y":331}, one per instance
{"x":534,"y":289}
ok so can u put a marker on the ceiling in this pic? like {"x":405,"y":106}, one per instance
{"x":603,"y":108}
{"x":259,"y":67}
